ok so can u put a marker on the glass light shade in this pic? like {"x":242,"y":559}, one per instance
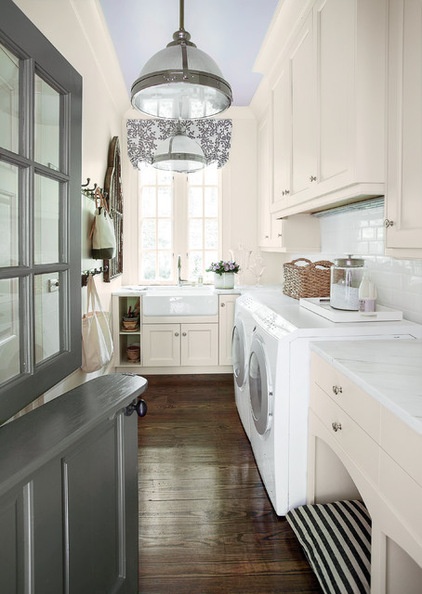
{"x":179,"y":153}
{"x":181,"y":82}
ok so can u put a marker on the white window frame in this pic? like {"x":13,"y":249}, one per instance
{"x":180,"y":230}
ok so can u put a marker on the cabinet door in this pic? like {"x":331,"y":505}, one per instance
{"x":226,"y":318}
{"x":264,"y":180}
{"x":161,"y":345}
{"x":282,"y":137}
{"x":302,"y":70}
{"x":334,"y":41}
{"x":335,"y":79}
{"x":199,"y":344}
{"x":404,"y":175}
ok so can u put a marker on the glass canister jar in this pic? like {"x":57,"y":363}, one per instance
{"x":346,"y":276}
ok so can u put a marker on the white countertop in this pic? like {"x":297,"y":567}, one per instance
{"x":388,"y":370}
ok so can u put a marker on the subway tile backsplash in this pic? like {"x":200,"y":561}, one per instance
{"x":361,"y":232}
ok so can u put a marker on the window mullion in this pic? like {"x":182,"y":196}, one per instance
{"x":180,"y":222}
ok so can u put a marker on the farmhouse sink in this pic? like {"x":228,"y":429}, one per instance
{"x":180,"y":301}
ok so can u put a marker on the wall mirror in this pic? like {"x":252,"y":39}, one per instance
{"x":113,"y":191}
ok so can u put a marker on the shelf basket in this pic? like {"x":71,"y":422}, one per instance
{"x":308,"y":279}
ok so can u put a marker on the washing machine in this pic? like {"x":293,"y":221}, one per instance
{"x":244,"y":323}
{"x":279,"y":384}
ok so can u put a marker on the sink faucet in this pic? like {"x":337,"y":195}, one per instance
{"x":180,"y":280}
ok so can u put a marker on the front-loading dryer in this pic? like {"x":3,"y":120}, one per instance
{"x":279,"y":384}
{"x":244,"y":323}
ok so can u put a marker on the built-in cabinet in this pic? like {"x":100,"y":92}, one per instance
{"x":403,"y":205}
{"x":292,"y":234}
{"x":127,"y":343}
{"x":359,"y":448}
{"x":182,"y":345}
{"x":327,"y":95}
{"x":165,"y":345}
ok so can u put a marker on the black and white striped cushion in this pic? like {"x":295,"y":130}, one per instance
{"x":336,"y":538}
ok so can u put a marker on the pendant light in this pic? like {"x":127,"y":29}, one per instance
{"x":179,"y":153}
{"x":181,"y":81}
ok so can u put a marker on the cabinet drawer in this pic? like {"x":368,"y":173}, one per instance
{"x":357,"y":444}
{"x":364,"y":409}
{"x":402,"y":443}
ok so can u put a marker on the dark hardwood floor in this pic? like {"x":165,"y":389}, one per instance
{"x":205,"y":523}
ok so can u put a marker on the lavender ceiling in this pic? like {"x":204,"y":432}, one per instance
{"x":230,"y":31}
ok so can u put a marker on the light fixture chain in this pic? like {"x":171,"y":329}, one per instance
{"x":182,"y":15}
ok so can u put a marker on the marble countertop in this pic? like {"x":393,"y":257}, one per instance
{"x":388,"y":370}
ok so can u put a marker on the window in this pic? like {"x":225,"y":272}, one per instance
{"x":40,"y":176}
{"x":179,"y":215}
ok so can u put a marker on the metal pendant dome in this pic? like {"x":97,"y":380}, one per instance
{"x":179,"y":153}
{"x":181,"y":81}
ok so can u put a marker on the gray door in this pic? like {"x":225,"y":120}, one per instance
{"x":40,"y":206}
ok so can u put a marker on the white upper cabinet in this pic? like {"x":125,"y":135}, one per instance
{"x":328,"y":93}
{"x":404,"y":163}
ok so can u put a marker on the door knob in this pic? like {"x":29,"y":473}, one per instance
{"x":139,"y":405}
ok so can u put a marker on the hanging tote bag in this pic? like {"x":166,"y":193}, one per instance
{"x":97,"y":342}
{"x":102,"y":231}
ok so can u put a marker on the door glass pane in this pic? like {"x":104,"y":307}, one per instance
{"x":46,"y":220}
{"x":164,"y":234}
{"x":195,"y":202}
{"x":196,"y":264}
{"x":46,"y":124}
{"x":47,"y":316}
{"x":211,"y":234}
{"x":9,"y":329}
{"x":164,"y":265}
{"x":195,"y":234}
{"x":148,"y":202}
{"x":211,"y":202}
{"x":148,"y":234}
{"x":165,"y":201}
{"x":9,"y":100}
{"x":9,"y":214}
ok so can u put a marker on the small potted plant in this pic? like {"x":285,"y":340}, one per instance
{"x":224,"y":272}
{"x":130,"y":320}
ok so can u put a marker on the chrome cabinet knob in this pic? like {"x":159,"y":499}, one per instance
{"x":176,"y":334}
{"x":184,"y":334}
{"x":388,"y":223}
{"x":337,"y":390}
{"x":223,"y":305}
{"x":336,"y":426}
{"x":312,"y":178}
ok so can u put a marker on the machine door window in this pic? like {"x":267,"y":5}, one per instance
{"x":260,"y":388}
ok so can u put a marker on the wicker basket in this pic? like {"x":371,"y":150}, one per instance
{"x":309,"y":279}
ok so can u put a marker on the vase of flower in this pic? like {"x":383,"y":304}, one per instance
{"x":224,"y":272}
{"x":224,"y":281}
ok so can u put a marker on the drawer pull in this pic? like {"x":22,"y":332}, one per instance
{"x":337,"y":390}
{"x":336,"y":426}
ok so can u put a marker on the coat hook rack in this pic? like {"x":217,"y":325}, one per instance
{"x":92,"y":272}
{"x":90,"y":192}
